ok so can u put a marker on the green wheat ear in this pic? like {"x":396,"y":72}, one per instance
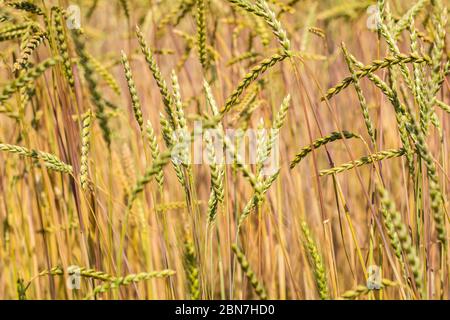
{"x":26,"y":78}
{"x":61,"y":41}
{"x":334,"y":136}
{"x":404,"y":237}
{"x":27,"y":6}
{"x":316,"y":261}
{"x":30,"y":46}
{"x":249,"y":273}
{"x":201,"y":33}
{"x":156,"y":72}
{"x":192,"y":272}
{"x":51,"y":161}
{"x":136,"y":104}
{"x":86,"y":124}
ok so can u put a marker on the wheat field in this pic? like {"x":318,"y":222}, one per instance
{"x":119,"y":178}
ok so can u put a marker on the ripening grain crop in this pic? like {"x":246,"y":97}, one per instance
{"x":224,"y":149}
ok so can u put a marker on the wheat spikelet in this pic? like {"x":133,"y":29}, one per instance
{"x":61,"y":41}
{"x":26,"y":78}
{"x":168,"y":206}
{"x":261,"y":29}
{"x":254,"y":73}
{"x":261,"y":187}
{"x":82,"y":271}
{"x":54,"y":271}
{"x":12,"y":27}
{"x":404,"y":237}
{"x":86,"y":123}
{"x":179,"y":113}
{"x":435,"y":190}
{"x":192,"y":273}
{"x":13,"y":31}
{"x":96,"y":98}
{"x":125,"y":7}
{"x":316,"y":261}
{"x":374,"y":66}
{"x":439,"y":19}
{"x":21,"y":290}
{"x":51,"y":161}
{"x":378,"y":156}
{"x":361,"y":98}
{"x":176,"y":14}
{"x":32,"y":43}
{"x":191,"y":41}
{"x":278,"y":122}
{"x":400,"y":112}
{"x":136,"y":104}
{"x":419,"y":75}
{"x":217,"y":189}
{"x":217,"y":171}
{"x":61,"y":227}
{"x":321,"y":142}
{"x":392,"y":234}
{"x":104,"y":73}
{"x":343,"y":9}
{"x":187,"y":6}
{"x":129,"y":279}
{"x":167,"y":131}
{"x":269,"y":16}
{"x":155,"y":168}
{"x":161,"y":83}
{"x":317,"y":31}
{"x":201,"y":33}
{"x":26,"y":6}
{"x":168,"y":136}
{"x":154,"y":148}
{"x":262,"y":9}
{"x":443,"y":106}
{"x":362,"y":290}
{"x":251,"y":276}
{"x":403,"y":22}
{"x":242,"y":57}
